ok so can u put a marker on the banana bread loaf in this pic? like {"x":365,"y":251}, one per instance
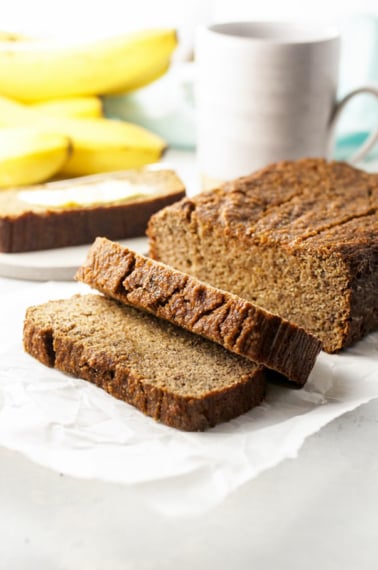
{"x":298,"y":238}
{"x":66,"y":213}
{"x":176,"y":377}
{"x":222,"y":317}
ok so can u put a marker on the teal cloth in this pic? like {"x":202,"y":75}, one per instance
{"x":359,"y":66}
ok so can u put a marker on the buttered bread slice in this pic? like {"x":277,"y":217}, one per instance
{"x":73,"y":212}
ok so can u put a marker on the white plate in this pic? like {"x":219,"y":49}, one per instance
{"x":54,"y":264}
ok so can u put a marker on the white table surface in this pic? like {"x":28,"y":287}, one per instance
{"x":318,"y":511}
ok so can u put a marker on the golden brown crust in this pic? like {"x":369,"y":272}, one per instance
{"x":177,"y":378}
{"x":289,"y":202}
{"x":232,"y":322}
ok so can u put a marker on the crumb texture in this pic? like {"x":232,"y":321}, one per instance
{"x":174,"y":376}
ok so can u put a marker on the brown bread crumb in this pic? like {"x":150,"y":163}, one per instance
{"x":174,"y":376}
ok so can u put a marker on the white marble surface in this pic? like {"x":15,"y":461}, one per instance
{"x":319,"y":510}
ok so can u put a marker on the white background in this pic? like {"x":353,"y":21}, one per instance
{"x":82,"y":17}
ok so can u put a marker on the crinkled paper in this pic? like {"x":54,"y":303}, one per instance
{"x":75,"y":428}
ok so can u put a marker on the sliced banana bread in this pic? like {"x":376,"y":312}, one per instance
{"x":176,"y":377}
{"x":222,"y":317}
{"x":298,"y":238}
{"x":72,"y":212}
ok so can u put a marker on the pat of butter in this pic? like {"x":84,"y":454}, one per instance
{"x":87,"y":195}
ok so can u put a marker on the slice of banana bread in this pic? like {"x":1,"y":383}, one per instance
{"x":298,"y":238}
{"x":176,"y":377}
{"x":222,"y":317}
{"x":72,"y":212}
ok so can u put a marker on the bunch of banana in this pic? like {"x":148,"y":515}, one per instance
{"x":98,"y":144}
{"x":51,"y":89}
{"x":35,"y":70}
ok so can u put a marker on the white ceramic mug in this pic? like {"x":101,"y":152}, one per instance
{"x":266,"y":92}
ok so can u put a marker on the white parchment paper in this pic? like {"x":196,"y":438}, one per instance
{"x":75,"y":428}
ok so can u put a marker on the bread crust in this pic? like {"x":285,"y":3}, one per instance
{"x":224,"y":318}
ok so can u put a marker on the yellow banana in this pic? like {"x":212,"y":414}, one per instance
{"x":12,"y":37}
{"x":102,"y":145}
{"x":98,"y":145}
{"x":29,"y":156}
{"x":81,"y":107}
{"x":13,"y":113}
{"x":36,"y":70}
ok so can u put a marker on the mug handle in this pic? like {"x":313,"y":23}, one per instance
{"x":373,"y":137}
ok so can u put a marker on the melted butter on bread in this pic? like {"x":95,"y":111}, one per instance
{"x":105,"y":192}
